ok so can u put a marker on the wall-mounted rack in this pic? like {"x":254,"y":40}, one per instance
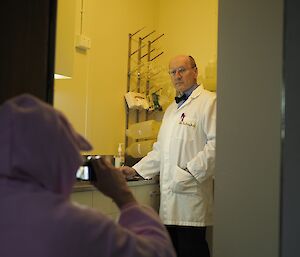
{"x":142,"y":52}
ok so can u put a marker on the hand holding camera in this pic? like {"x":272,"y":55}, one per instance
{"x":111,"y":182}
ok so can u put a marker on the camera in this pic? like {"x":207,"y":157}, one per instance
{"x":86,"y":172}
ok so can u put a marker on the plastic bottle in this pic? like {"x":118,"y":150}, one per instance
{"x":119,"y":159}
{"x":143,"y":130}
{"x":140,"y":149}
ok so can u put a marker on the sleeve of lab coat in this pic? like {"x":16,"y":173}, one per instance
{"x":149,"y":166}
{"x":202,"y":165}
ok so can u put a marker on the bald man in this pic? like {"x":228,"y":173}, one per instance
{"x":184,"y":157}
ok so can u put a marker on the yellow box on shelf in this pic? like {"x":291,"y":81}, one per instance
{"x":140,"y":149}
{"x":143,"y":130}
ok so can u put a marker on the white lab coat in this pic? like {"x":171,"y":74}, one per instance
{"x":186,"y":140}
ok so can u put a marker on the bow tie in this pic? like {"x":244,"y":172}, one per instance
{"x":180,"y":98}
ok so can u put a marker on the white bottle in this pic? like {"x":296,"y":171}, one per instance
{"x":119,"y":159}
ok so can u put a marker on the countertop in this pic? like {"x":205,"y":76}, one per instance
{"x":87,"y":186}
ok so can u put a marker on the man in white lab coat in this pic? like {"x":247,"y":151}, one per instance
{"x":184,"y":157}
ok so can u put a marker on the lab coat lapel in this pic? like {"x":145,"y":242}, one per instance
{"x":194,"y":95}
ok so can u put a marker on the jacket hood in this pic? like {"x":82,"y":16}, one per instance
{"x":38,"y":145}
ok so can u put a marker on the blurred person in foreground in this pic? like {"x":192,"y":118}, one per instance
{"x":40,"y":154}
{"x":184,"y":157}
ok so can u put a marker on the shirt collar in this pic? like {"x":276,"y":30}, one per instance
{"x":190,"y":91}
{"x":187,"y":93}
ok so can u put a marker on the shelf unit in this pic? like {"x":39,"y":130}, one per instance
{"x":142,"y":52}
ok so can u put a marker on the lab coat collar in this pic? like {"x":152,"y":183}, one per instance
{"x":194,"y":95}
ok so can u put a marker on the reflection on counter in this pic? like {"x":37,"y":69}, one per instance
{"x":136,"y":181}
{"x":135,"y":178}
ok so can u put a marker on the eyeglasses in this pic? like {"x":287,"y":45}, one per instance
{"x":180,"y":70}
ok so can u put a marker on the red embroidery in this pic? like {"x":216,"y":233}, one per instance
{"x":182,"y":116}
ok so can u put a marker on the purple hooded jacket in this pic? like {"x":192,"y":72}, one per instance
{"x":40,"y":153}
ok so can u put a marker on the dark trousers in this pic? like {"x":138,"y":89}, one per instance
{"x":189,"y":241}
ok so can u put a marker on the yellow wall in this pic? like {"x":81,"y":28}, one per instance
{"x":190,"y":27}
{"x":93,"y":99}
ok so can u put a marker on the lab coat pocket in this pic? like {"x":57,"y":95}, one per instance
{"x":183,"y":182}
